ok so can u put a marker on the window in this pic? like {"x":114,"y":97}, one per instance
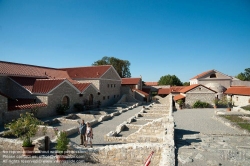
{"x":108,"y":85}
{"x":111,"y":85}
{"x":80,"y":95}
{"x":114,"y":96}
{"x":237,"y":98}
{"x":212,"y":76}
{"x":114,"y":85}
{"x":249,"y":101}
{"x":65,"y":101}
{"x":108,"y":97}
{"x":103,"y":97}
{"x":199,"y":88}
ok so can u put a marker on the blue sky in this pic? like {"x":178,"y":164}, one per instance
{"x":158,"y":37}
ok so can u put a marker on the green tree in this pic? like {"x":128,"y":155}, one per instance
{"x":186,"y":83}
{"x":121,"y":66}
{"x":170,"y":80}
{"x":244,"y":76}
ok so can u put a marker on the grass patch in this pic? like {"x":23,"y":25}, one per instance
{"x":244,"y":124}
{"x":247,"y":108}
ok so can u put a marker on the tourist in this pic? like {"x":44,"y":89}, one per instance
{"x":82,"y":132}
{"x":89,"y":135}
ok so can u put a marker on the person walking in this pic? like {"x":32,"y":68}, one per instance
{"x":82,"y":132}
{"x":89,"y":135}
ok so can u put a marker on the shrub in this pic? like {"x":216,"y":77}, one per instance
{"x":62,"y":142}
{"x":200,"y":104}
{"x":24,"y":127}
{"x":61,"y":109}
{"x":78,"y":107}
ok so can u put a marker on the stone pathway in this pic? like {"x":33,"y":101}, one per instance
{"x":202,"y":140}
{"x":105,"y":127}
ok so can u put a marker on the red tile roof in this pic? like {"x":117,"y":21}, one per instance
{"x":164,"y":91}
{"x":188,"y":88}
{"x":177,"y":88}
{"x":44,"y":86}
{"x":26,"y":82}
{"x":178,"y":97}
{"x":151,"y":83}
{"x":21,"y":104}
{"x":87,"y":72}
{"x":139,"y":91}
{"x":238,"y":91}
{"x":82,"y":86}
{"x":26,"y":106}
{"x":202,"y":74}
{"x":130,"y":81}
{"x":24,"y":70}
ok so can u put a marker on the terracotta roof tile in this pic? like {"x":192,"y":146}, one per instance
{"x":151,"y":83}
{"x":202,"y":74}
{"x":164,"y":91}
{"x":82,"y":86}
{"x":177,"y":88}
{"x":23,"y":103}
{"x":87,"y":72}
{"x":130,"y":81}
{"x":26,"y":106}
{"x":24,"y":70}
{"x":188,"y":88}
{"x":178,"y":97}
{"x":144,"y":93}
{"x":26,"y":82}
{"x":238,"y":91}
{"x":46,"y":85}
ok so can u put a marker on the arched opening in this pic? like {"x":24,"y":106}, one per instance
{"x":65,"y":101}
{"x":213,"y":76}
{"x":91,"y":99}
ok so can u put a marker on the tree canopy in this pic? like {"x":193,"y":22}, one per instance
{"x":170,"y":80}
{"x":244,"y":76}
{"x":121,"y":66}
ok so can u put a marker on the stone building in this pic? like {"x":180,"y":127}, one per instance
{"x":135,"y":85}
{"x":195,"y":92}
{"x":218,"y":79}
{"x":240,"y":96}
{"x":105,"y":78}
{"x":25,"y":87}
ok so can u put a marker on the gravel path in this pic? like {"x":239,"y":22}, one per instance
{"x":202,"y":140}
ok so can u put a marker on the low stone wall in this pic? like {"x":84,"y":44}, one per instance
{"x":134,"y":154}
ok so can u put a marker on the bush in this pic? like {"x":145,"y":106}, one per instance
{"x":61,"y":109}
{"x":78,"y":107}
{"x":200,"y":104}
{"x":62,"y":142}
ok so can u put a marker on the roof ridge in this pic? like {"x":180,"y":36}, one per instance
{"x":15,"y":63}
{"x":82,"y":67}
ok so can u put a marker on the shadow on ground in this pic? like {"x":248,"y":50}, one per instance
{"x":180,"y":142}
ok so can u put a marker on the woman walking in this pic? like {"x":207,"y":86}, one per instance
{"x":89,"y":135}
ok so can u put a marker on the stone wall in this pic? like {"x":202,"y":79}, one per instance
{"x":16,"y":91}
{"x":239,"y":100}
{"x":3,"y":107}
{"x":129,"y":154}
{"x":192,"y":98}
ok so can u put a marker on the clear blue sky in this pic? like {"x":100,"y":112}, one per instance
{"x":158,"y":37}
